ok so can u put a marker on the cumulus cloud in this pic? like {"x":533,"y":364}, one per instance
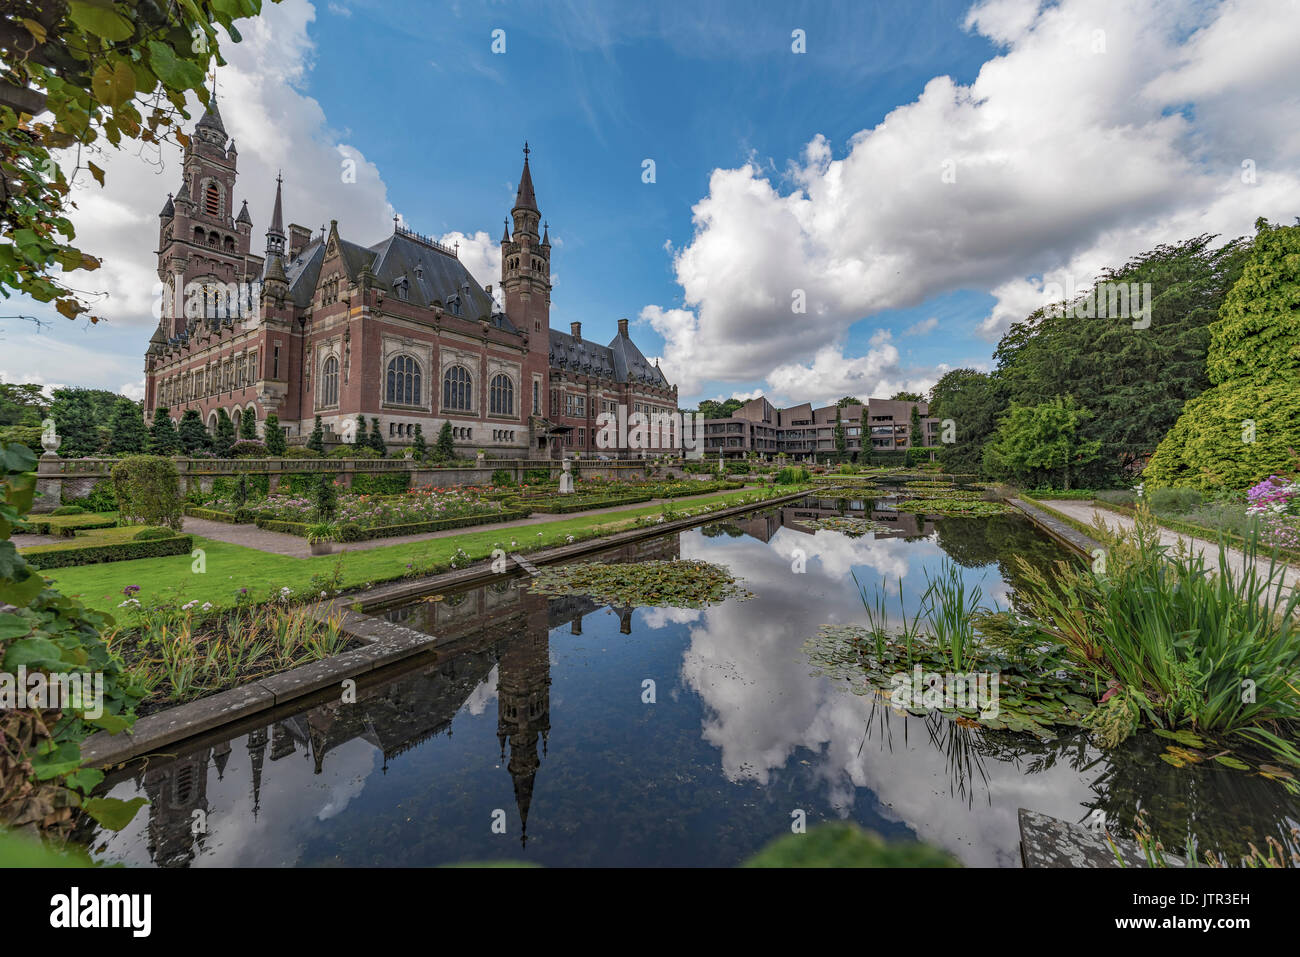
{"x":1102,"y":128}
{"x":924,"y":327}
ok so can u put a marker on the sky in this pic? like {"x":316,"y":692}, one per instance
{"x":803,"y":201}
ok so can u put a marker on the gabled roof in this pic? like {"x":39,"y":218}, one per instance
{"x":432,"y":274}
{"x":631,"y":366}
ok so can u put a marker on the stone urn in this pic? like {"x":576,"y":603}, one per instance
{"x":50,"y":440}
{"x":322,"y":548}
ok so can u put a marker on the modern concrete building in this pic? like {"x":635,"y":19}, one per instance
{"x":802,"y":432}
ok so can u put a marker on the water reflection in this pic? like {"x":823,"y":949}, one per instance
{"x":583,"y":771}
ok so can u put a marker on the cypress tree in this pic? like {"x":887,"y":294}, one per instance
{"x":74,"y":417}
{"x":361,"y":440}
{"x":248,"y":426}
{"x":274,"y":434}
{"x":316,"y":442}
{"x":129,"y":433}
{"x":419,"y":448}
{"x":377,"y":438}
{"x":163,"y":439}
{"x":445,"y":450}
{"x":193,"y":436}
{"x":225,"y":436}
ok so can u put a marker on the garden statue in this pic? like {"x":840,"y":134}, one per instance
{"x":566,"y":479}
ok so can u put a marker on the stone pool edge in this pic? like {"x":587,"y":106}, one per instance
{"x":384,"y":644}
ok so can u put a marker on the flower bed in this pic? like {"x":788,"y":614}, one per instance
{"x":1276,"y":501}
{"x":416,"y":507}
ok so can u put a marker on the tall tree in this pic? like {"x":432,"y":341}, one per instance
{"x":1041,"y":444}
{"x":445,"y":449}
{"x":316,"y":441}
{"x":273,"y":432}
{"x":192,"y":433}
{"x":841,"y":442}
{"x":360,"y":439}
{"x":1134,"y":372}
{"x":22,"y":404}
{"x":906,"y":397}
{"x":377,"y":438}
{"x":1246,"y":427}
{"x":163,"y":439}
{"x":419,"y":448}
{"x":248,"y":426}
{"x":76,"y":416}
{"x":968,"y":404}
{"x":225,"y":435}
{"x":127,"y":431}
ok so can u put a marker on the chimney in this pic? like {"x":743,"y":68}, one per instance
{"x":575,"y":328}
{"x":622,"y":327}
{"x":299,"y":237}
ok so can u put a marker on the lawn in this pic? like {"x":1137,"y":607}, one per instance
{"x":228,"y":568}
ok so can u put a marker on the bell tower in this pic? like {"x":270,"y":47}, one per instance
{"x":526,"y":287}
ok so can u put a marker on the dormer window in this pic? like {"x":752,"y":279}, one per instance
{"x":402,"y":288}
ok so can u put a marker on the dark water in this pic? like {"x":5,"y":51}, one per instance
{"x":533,"y":718}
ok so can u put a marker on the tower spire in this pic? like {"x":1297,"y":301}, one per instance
{"x":525,"y":198}
{"x":275,"y":232}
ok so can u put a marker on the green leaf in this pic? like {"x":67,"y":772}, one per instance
{"x":13,"y":626}
{"x":33,"y":653}
{"x":113,"y":813}
{"x":171,"y":69}
{"x":113,"y":86}
{"x":98,"y":17}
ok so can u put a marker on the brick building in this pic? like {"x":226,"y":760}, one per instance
{"x":398,"y":330}
{"x":882,"y":425}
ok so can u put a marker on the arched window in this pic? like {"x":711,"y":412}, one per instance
{"x":456,"y":389}
{"x":329,"y":382}
{"x":403,"y":381}
{"x":212,"y":200}
{"x":502,"y":395}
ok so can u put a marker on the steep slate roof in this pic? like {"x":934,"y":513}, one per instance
{"x":212,"y":118}
{"x":581,"y":355}
{"x":621,"y":360}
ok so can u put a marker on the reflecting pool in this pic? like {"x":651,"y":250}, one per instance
{"x":560,"y":732}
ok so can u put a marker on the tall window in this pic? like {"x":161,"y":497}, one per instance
{"x":329,"y":382}
{"x":502,"y":395}
{"x":403,"y":381}
{"x":456,"y":389}
{"x":212,"y":200}
{"x":537,"y":401}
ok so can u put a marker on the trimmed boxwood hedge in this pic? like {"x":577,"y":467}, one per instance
{"x":68,"y":529}
{"x":563,"y":504}
{"x":62,"y":556}
{"x":390,"y":531}
{"x":212,"y":515}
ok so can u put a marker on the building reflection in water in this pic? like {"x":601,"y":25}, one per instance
{"x":499,"y":625}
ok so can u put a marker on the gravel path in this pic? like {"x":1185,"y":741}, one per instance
{"x":1087,"y":513}
{"x":280,"y":543}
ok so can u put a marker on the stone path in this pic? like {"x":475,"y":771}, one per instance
{"x":27,"y":541}
{"x":1087,"y":513}
{"x":280,"y":543}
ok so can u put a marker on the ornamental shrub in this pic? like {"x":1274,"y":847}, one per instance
{"x":148,"y":491}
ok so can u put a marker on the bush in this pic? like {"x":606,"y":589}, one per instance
{"x":501,"y":477}
{"x":537,"y":476}
{"x":301,"y":452}
{"x":101,"y":498}
{"x":381,"y":483}
{"x":248,"y":449}
{"x":791,"y":475}
{"x":243,"y":516}
{"x":148,"y":490}
{"x":152,"y":533}
{"x":257,"y":485}
{"x":1178,"y":501}
{"x":212,"y":515}
{"x":61,"y":556}
{"x":69,"y":510}
{"x":351,"y":532}
{"x":1117,"y":497}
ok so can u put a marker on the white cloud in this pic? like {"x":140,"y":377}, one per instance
{"x":922,"y":328}
{"x":831,"y":375}
{"x":1066,"y":159}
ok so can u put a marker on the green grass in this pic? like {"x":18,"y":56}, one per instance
{"x":232,"y":567}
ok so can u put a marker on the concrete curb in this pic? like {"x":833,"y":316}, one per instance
{"x":1057,"y":528}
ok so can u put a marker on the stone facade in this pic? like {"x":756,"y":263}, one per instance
{"x":398,"y":331}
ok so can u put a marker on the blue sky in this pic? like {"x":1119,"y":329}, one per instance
{"x":917,"y":175}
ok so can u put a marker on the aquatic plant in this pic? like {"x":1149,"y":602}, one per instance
{"x":679,"y":584}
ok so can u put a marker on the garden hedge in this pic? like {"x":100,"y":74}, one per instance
{"x":391,"y":531}
{"x":561,"y":505}
{"x":63,"y":556}
{"x":69,"y":528}
{"x":212,"y":515}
